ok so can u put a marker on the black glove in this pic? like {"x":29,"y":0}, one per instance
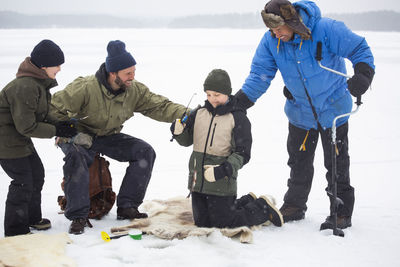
{"x":287,"y":93}
{"x":213,"y":173}
{"x":361,"y":79}
{"x":242,"y":101}
{"x":65,"y":129}
{"x":225,"y":169}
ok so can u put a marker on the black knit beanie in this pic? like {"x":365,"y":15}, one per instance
{"x":118,"y":58}
{"x":218,"y":80}
{"x":47,"y":54}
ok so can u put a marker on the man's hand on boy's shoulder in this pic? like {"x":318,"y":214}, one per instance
{"x":242,"y":101}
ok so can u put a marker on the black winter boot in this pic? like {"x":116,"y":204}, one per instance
{"x":241,"y":202}
{"x":129,"y":213}
{"x":43,"y":224}
{"x":275,"y":215}
{"x":342,"y":222}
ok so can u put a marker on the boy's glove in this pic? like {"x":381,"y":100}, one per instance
{"x":177,"y":127}
{"x":214,"y":173}
{"x":65,"y":129}
{"x":361,"y":79}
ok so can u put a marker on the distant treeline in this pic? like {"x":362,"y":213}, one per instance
{"x":368,"y":21}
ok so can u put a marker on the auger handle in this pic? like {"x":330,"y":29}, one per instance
{"x":358,"y":101}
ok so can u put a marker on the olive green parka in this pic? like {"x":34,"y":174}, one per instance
{"x":24,"y":106}
{"x":99,"y":112}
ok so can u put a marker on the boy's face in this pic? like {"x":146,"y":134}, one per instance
{"x":52,"y":71}
{"x":216,"y":99}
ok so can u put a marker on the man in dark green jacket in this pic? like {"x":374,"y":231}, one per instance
{"x":24,"y":105}
{"x":100,"y":104}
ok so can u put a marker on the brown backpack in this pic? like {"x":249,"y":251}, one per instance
{"x":102,"y":197}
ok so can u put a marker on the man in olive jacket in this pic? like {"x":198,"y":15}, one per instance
{"x":100,"y":104}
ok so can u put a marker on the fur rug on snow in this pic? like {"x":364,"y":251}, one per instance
{"x":36,"y":250}
{"x":172,"y":218}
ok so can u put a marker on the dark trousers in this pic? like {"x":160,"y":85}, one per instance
{"x":23,"y":204}
{"x":227,"y":211}
{"x":121,"y":147}
{"x":301,"y":165}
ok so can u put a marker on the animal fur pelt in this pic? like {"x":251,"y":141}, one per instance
{"x":172,"y":218}
{"x":35,"y":250}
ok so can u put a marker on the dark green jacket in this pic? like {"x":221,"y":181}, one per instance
{"x":100,"y":112}
{"x":24,"y":105}
{"x":218,"y":135}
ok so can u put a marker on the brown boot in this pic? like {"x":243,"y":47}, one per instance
{"x":77,"y":226}
{"x":129,"y":213}
{"x":342,"y":222}
{"x":291,"y":213}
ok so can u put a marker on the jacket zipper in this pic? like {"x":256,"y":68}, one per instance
{"x":204,"y":153}
{"x":307,"y":94}
{"x":212,"y":136}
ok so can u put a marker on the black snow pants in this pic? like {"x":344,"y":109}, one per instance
{"x":301,"y":163}
{"x":227,"y":211}
{"x":23,"y":204}
{"x":121,"y":147}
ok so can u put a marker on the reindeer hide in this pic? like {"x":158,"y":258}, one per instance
{"x":172,"y":218}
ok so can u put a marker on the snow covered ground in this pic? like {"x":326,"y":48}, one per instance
{"x":175,"y":63}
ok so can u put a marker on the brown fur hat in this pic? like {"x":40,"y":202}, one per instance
{"x":280,"y":12}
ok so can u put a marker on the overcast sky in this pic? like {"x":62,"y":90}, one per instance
{"x":173,"y":8}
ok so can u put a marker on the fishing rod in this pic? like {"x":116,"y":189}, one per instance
{"x":184,"y":116}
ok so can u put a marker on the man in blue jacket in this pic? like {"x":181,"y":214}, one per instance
{"x":315,"y":96}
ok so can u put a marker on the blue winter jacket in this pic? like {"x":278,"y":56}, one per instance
{"x":301,"y":73}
